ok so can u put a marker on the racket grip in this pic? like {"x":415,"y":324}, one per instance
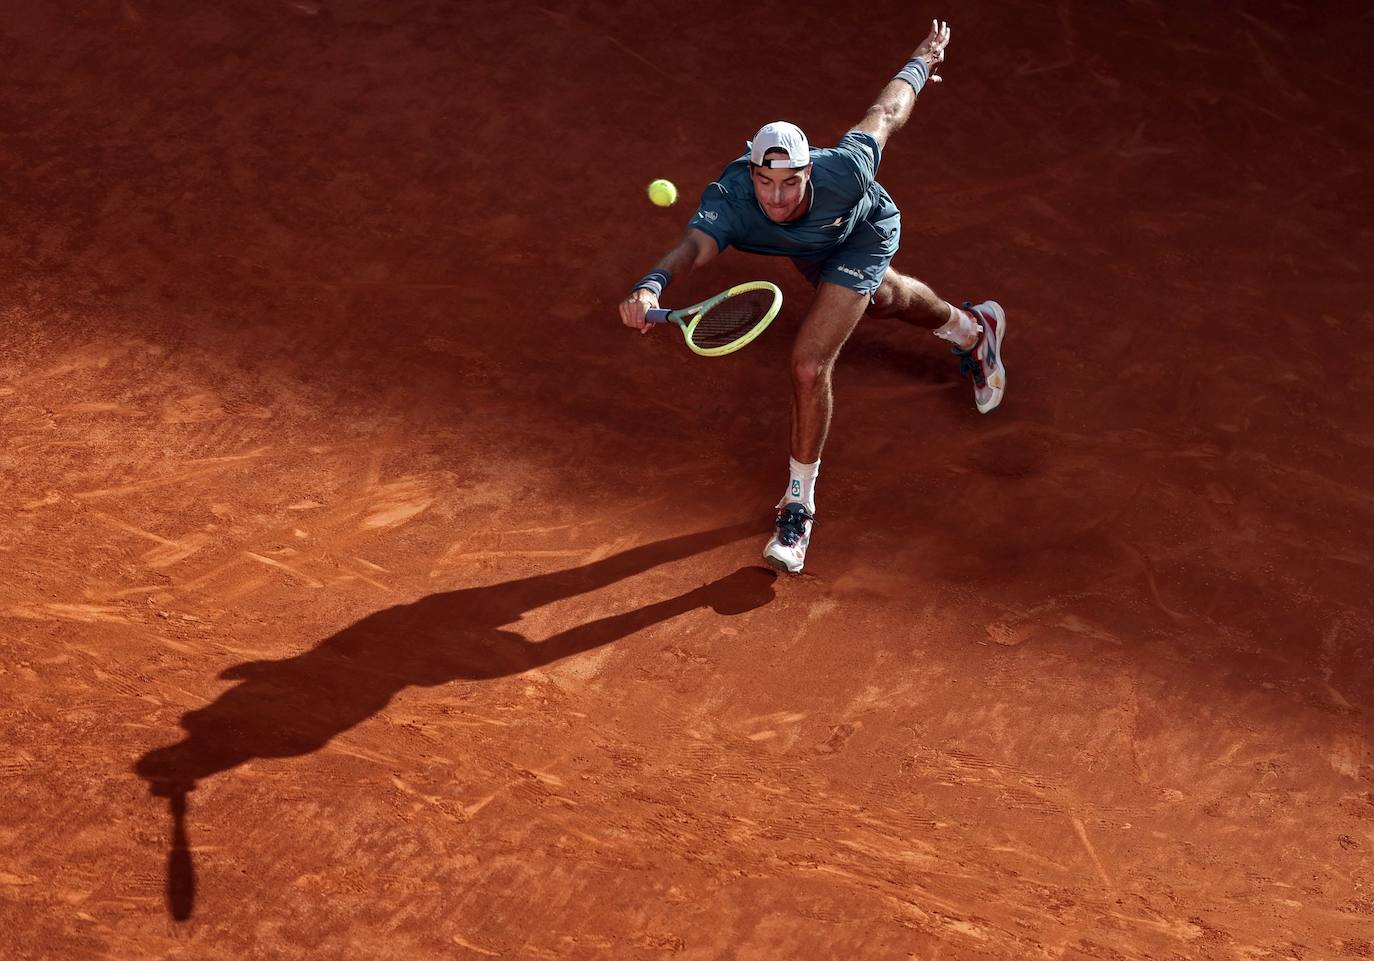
{"x":656,"y":315}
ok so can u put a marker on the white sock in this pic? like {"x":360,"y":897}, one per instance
{"x":801,"y":486}
{"x":961,"y":329}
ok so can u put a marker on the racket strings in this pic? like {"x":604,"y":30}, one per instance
{"x":731,"y":319}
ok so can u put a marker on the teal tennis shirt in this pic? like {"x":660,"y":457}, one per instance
{"x":843,"y":195}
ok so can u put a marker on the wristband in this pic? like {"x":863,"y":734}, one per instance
{"x":915,"y":73}
{"x":654,"y":282}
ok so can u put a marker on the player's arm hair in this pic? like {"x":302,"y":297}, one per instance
{"x":695,"y":249}
{"x":892,"y":109}
{"x":889,"y":112}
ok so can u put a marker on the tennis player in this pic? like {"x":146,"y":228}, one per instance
{"x":823,"y":209}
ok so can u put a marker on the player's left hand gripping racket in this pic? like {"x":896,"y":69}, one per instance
{"x":725,"y":322}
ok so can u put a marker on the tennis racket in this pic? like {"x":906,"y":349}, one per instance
{"x":725,"y":322}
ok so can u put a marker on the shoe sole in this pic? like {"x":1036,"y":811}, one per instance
{"x":778,"y":564}
{"x":998,"y":381}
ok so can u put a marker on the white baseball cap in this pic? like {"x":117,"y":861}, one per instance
{"x":779,"y":135}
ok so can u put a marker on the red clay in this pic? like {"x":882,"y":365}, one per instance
{"x":369,"y":592}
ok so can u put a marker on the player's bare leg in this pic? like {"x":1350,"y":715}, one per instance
{"x":833,"y":315}
{"x":909,"y":300}
{"x":977,"y":332}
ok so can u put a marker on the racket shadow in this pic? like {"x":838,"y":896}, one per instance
{"x":295,"y":706}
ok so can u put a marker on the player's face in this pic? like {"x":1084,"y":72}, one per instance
{"x":781,"y":191}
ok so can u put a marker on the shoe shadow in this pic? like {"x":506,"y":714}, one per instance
{"x":295,"y":706}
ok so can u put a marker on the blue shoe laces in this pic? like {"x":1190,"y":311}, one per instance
{"x":970,"y":366}
{"x":791,"y":524}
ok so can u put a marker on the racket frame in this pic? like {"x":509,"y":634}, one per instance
{"x":687,"y":317}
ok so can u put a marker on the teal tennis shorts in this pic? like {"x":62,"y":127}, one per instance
{"x":860,"y":262}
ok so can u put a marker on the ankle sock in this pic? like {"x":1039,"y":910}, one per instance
{"x":801,"y":485}
{"x":961,"y":329}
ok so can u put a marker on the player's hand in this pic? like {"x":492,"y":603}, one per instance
{"x":932,"y":48}
{"x":632,"y":309}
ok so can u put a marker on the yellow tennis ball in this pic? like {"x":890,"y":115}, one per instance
{"x":663,"y":193}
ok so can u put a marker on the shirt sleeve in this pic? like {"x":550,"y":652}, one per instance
{"x":715,"y":216}
{"x":862,"y":153}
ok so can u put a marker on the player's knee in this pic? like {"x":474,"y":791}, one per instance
{"x":884,"y":299}
{"x":810,"y":372}
{"x":879,"y":306}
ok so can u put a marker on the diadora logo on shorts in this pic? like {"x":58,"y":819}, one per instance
{"x":708,"y":215}
{"x":850,"y":271}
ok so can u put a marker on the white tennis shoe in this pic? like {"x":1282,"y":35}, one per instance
{"x":983,"y":361}
{"x":786,"y":549}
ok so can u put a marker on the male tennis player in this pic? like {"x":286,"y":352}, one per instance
{"x":823,"y":209}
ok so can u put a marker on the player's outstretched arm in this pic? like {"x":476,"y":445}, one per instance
{"x":893,"y":107}
{"x":692,"y":251}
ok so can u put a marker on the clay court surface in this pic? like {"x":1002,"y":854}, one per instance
{"x":368,"y":592}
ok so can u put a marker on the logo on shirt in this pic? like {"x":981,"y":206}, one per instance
{"x":708,"y":215}
{"x":839,"y":222}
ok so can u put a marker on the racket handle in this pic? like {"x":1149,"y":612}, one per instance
{"x":656,"y":315}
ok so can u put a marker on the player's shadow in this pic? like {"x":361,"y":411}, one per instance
{"x":895,"y":348}
{"x":294,"y":706}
